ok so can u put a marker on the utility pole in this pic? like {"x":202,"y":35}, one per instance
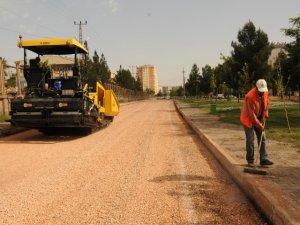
{"x":183,"y":82}
{"x":1,"y":78}
{"x":80,"y":24}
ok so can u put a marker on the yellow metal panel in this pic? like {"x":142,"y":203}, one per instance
{"x":111,"y":104}
{"x":100,"y":93}
{"x":102,"y":109}
{"x":105,"y":100}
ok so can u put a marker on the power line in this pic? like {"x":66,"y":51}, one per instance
{"x":18,"y":32}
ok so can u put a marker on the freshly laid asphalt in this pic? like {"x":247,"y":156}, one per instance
{"x":272,"y":197}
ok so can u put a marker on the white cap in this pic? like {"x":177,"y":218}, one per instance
{"x":261,"y":85}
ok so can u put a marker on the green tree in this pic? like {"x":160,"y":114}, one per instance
{"x":245,"y":84}
{"x":93,"y":67}
{"x":87,"y":72}
{"x":205,"y":85}
{"x":213,"y":82}
{"x":160,"y":93}
{"x":149,"y":91}
{"x":97,"y":68}
{"x":192,"y":86}
{"x":104,"y":70}
{"x":138,"y":85}
{"x":223,"y":89}
{"x":292,"y":62}
{"x":166,"y":92}
{"x":223,"y":73}
{"x":11,"y":82}
{"x":254,"y":49}
{"x":125,"y":79}
{"x":178,"y":92}
{"x":45,"y":65}
{"x":278,"y":73}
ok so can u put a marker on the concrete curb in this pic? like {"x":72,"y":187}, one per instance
{"x":272,"y":202}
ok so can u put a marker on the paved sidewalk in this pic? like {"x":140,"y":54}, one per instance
{"x":278,"y":193}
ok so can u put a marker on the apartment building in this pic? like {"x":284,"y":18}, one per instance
{"x":148,"y":77}
{"x":278,"y":47}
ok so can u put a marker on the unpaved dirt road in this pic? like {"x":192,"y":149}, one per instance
{"x":147,"y":167}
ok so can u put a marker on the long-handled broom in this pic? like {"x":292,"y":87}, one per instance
{"x":255,"y":169}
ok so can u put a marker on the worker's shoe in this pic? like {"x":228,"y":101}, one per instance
{"x":250,"y":164}
{"x":266,"y":163}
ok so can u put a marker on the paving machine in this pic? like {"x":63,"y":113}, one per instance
{"x":63,"y":101}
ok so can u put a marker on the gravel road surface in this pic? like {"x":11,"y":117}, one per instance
{"x":147,"y":167}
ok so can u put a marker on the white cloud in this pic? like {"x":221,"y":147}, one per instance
{"x":113,"y":5}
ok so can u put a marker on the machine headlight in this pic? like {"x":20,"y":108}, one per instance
{"x":27,"y":105}
{"x":62,"y":104}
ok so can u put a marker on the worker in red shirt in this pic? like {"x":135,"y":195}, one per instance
{"x":253,"y":116}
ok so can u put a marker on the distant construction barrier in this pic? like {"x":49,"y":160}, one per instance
{"x":126,"y":95}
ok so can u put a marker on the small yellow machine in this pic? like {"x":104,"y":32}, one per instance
{"x":55,"y":102}
{"x":105,"y":101}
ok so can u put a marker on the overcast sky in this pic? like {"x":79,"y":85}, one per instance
{"x":169,"y":34}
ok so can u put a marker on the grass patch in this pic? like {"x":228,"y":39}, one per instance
{"x":276,"y":125}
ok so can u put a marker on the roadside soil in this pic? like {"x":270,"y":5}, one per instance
{"x":147,"y":167}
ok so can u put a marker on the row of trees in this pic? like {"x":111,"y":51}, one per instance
{"x":98,"y":69}
{"x":248,"y":62}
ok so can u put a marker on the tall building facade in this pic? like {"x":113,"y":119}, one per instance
{"x":278,"y":47}
{"x":148,"y":77}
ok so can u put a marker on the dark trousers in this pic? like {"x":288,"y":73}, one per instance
{"x":250,"y":144}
